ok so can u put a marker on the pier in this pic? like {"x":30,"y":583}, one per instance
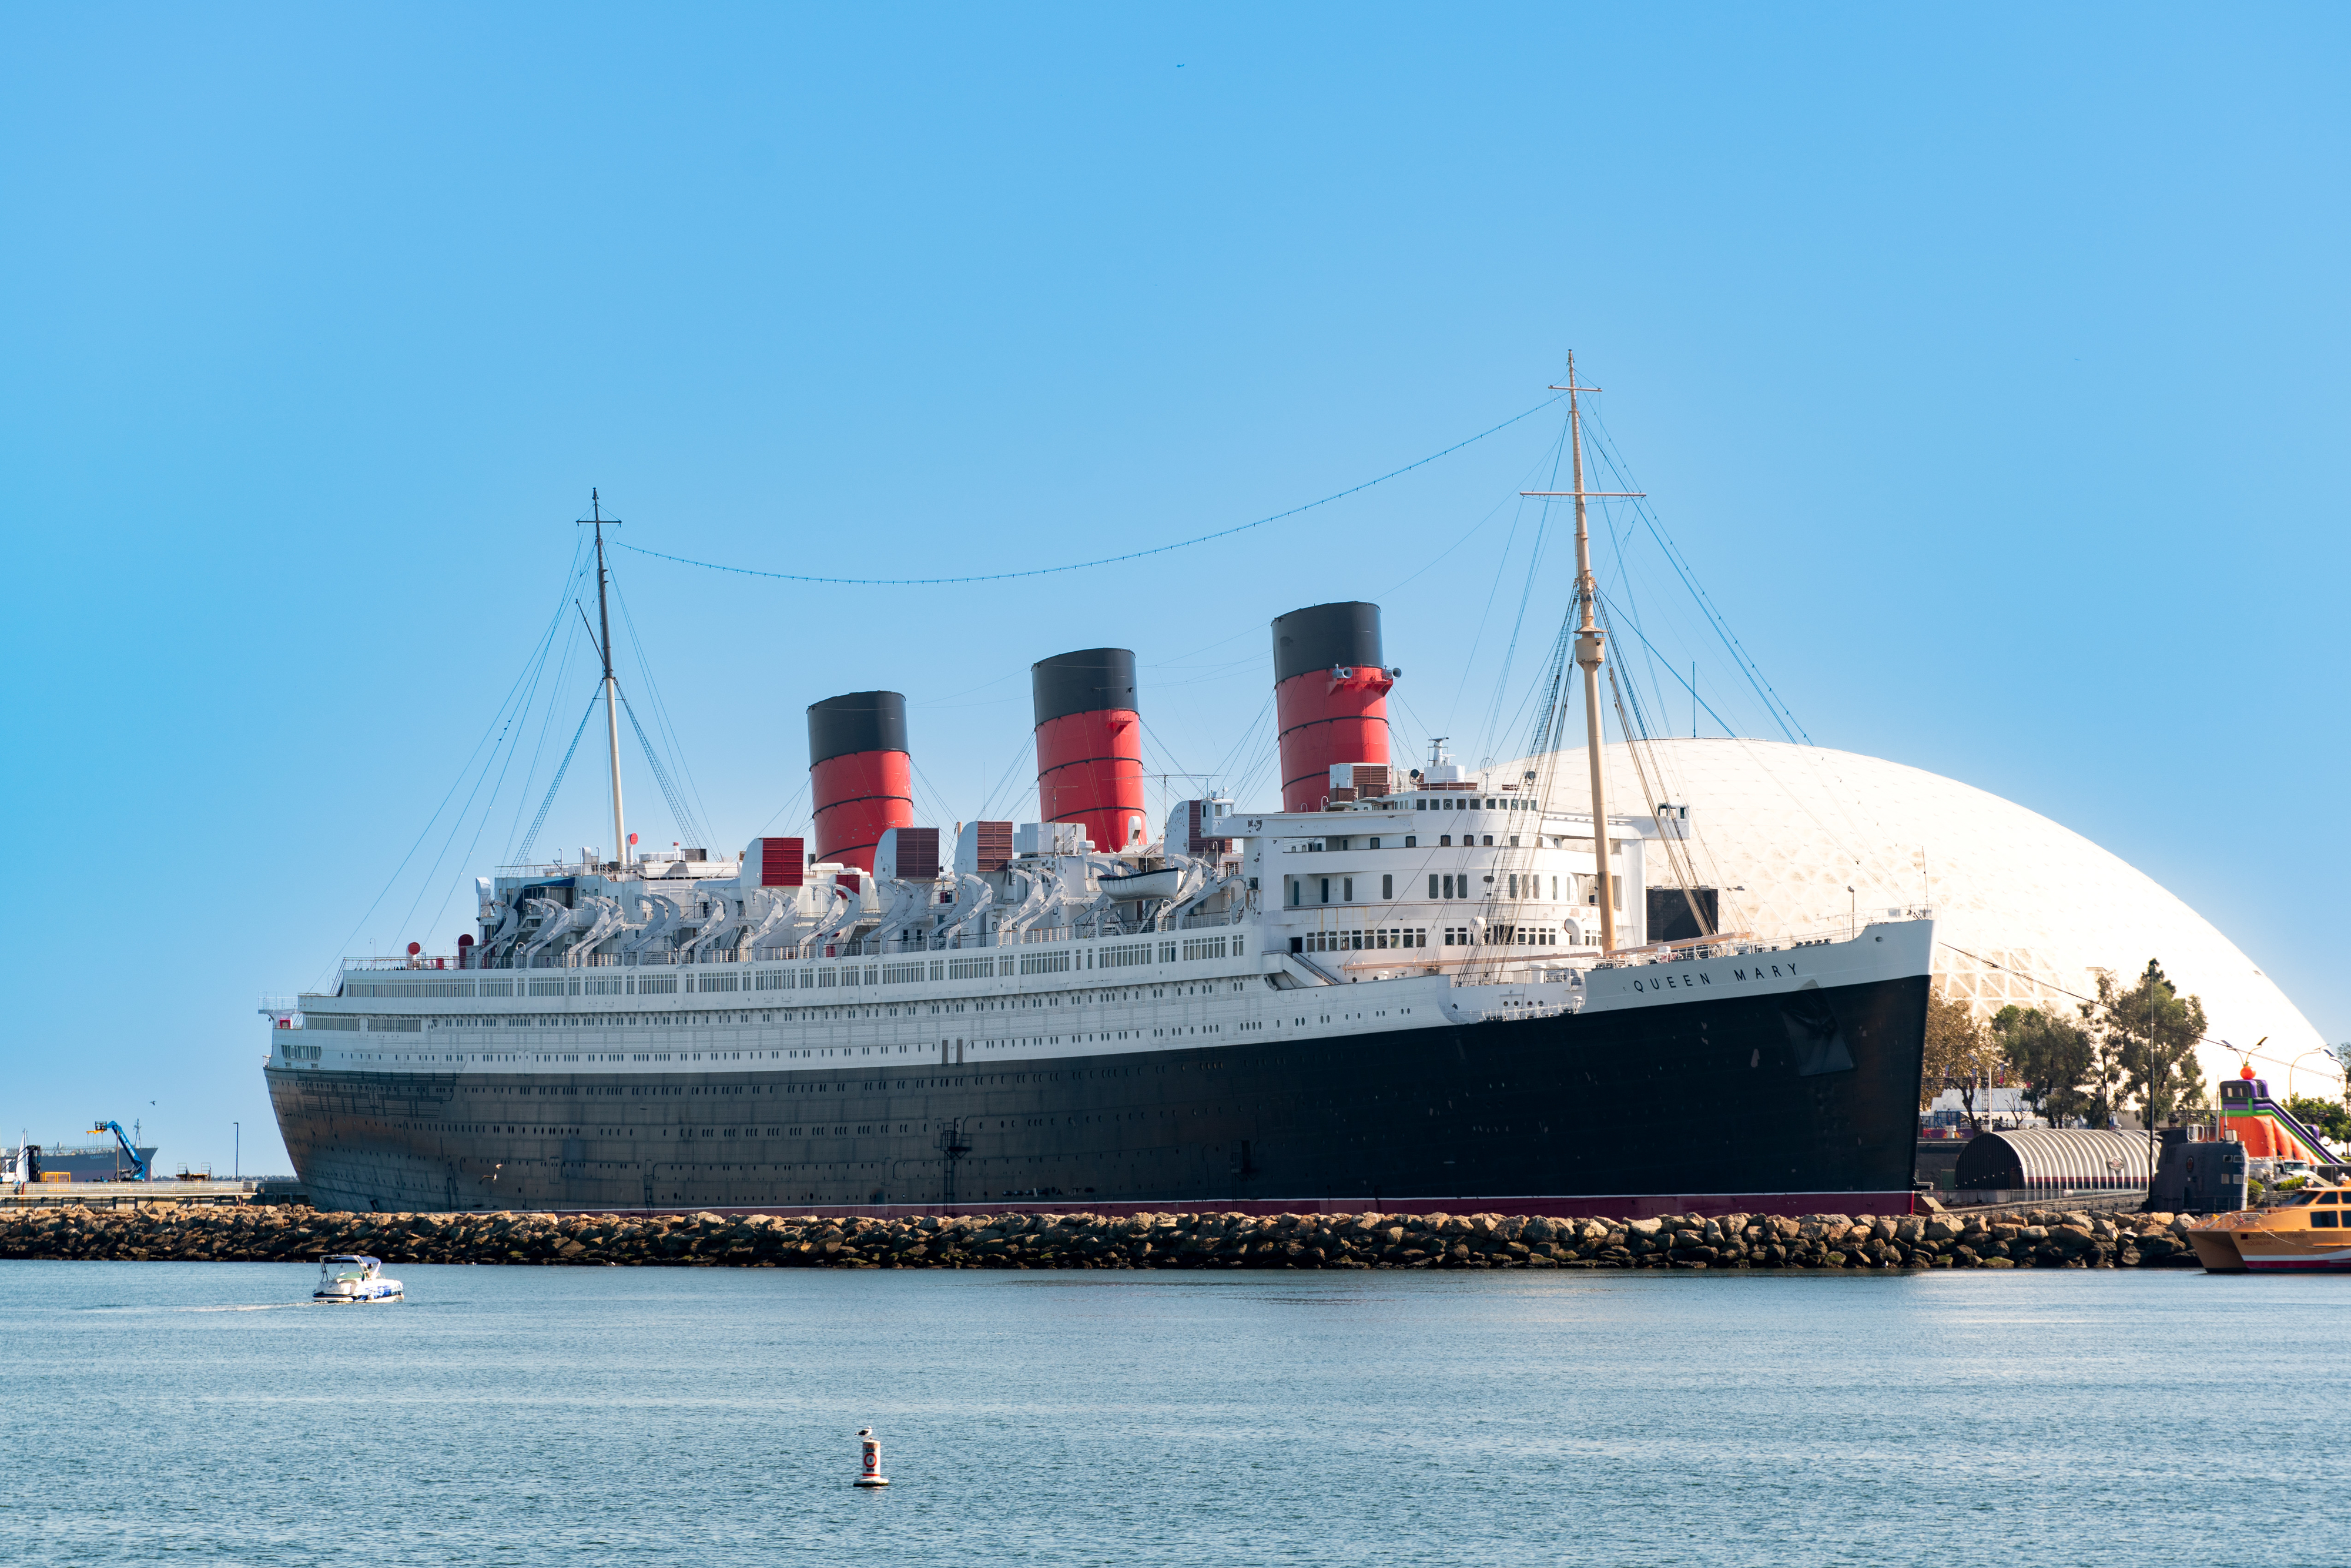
{"x":111,"y":1195}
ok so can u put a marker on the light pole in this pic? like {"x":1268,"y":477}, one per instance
{"x":2313,"y":1051}
{"x":236,"y":1152}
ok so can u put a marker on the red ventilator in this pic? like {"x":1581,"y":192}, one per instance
{"x":869,"y":1465}
{"x":1090,"y":745}
{"x":859,"y":774}
{"x":1329,"y":696}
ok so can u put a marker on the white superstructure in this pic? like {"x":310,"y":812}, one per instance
{"x":1451,"y":902}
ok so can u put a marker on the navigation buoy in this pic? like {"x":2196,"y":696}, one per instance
{"x":869,"y":1468}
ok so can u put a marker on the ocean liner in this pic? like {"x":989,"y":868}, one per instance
{"x":1407,"y":988}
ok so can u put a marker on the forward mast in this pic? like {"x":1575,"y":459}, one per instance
{"x":1589,"y":653}
{"x":612,"y":700}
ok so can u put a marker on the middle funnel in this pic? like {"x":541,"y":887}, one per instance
{"x":1090,"y":745}
{"x":1329,"y":696}
{"x":859,"y":774}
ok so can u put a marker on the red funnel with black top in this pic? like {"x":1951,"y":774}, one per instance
{"x":859,"y":774}
{"x":1090,"y":745}
{"x":1329,"y":696}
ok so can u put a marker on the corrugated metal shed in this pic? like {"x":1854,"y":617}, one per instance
{"x":2054,"y":1160}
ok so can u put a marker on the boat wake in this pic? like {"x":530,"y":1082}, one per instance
{"x":256,"y":1307}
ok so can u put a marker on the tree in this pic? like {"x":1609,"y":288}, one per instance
{"x":2051,"y":1058}
{"x":2109,"y":1071}
{"x":1961,"y":1054}
{"x":2152,"y":1032}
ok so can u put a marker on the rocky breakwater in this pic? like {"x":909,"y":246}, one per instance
{"x":2022,"y":1239}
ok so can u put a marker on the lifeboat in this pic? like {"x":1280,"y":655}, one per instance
{"x":2310,"y":1233}
{"x":351,"y":1278}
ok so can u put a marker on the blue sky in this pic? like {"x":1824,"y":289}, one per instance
{"x":1985,"y":365}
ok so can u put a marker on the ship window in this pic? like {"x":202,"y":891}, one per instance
{"x":2326,"y":1217}
{"x":1445,"y":840}
{"x":1387,"y":886}
{"x":1432,"y":883}
{"x":1489,"y":841}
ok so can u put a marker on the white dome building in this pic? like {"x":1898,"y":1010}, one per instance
{"x":2025,"y":910}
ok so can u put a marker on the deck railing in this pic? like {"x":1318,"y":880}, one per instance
{"x":470,"y":959}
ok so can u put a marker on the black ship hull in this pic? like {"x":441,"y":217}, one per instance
{"x":1747,"y":1102}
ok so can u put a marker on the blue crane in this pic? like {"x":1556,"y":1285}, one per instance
{"x":138,"y":1162}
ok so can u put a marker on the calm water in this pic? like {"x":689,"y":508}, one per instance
{"x":196,"y":1412}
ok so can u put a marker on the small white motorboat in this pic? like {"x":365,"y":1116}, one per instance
{"x":350,"y":1277}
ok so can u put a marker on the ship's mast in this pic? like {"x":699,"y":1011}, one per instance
{"x":1588,"y":653}
{"x":612,"y":695}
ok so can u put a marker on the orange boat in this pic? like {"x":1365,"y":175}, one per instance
{"x":2310,"y":1233}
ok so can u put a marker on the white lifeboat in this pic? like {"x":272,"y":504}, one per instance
{"x":350,"y":1277}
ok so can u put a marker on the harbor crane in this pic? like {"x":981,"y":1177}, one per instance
{"x":138,"y":1161}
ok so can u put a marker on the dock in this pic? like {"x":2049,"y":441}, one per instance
{"x":135,"y":1194}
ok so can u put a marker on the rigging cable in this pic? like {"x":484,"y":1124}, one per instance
{"x":1261,"y":761}
{"x":688,"y":825}
{"x":538,"y":747}
{"x":1606,"y":450}
{"x":796,"y":794}
{"x":529,"y":673}
{"x":1248,"y":734}
{"x":1676,"y":858}
{"x":457,"y":826}
{"x":510,"y":712}
{"x":1494,"y":724}
{"x":1166,"y":751}
{"x":1106,"y":560}
{"x":1635,"y":627}
{"x":938,"y":797}
{"x":662,"y":723}
{"x":989,"y":800}
{"x":523,"y":853}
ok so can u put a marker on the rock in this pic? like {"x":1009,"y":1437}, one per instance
{"x":1207,"y":1239}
